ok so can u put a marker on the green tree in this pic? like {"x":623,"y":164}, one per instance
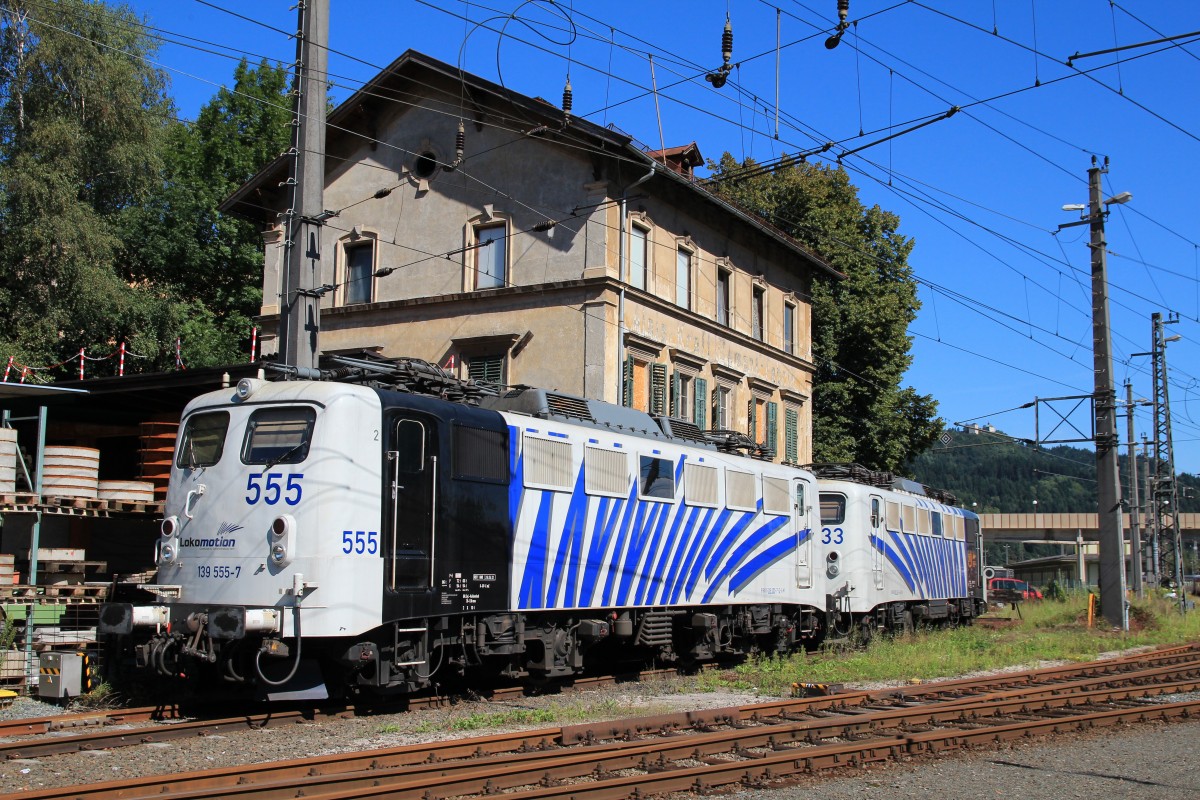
{"x":861,"y":412}
{"x":177,"y":239}
{"x":82,"y":113}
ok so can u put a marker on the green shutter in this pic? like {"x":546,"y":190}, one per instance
{"x":675,"y":411}
{"x":716,"y":405}
{"x":700,"y":399}
{"x":772,"y":426}
{"x":791,"y":423}
{"x":658,"y":389}
{"x":486,"y":369}
{"x":627,"y":383}
{"x":751,"y":426}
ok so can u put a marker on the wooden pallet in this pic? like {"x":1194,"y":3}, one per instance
{"x":55,"y":594}
{"x":27,"y":503}
{"x":60,"y":567}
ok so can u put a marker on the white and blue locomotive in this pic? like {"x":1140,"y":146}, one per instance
{"x":384,"y":540}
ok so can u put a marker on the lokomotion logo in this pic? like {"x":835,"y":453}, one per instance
{"x":222,"y":540}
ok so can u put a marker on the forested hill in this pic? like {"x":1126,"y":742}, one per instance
{"x":1000,"y":474}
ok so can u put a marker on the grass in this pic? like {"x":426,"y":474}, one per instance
{"x":1050,"y":631}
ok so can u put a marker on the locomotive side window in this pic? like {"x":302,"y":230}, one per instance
{"x":480,"y":455}
{"x":203,"y":439}
{"x":410,"y":446}
{"x":833,"y":509}
{"x":938,"y":530}
{"x":910,"y":519}
{"x":278,"y":435}
{"x":657,"y":477}
{"x":923,"y":523}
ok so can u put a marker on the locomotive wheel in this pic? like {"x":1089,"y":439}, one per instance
{"x":906,"y":623}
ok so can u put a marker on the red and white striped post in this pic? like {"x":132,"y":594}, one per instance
{"x":178,"y":354}
{"x":8,"y":368}
{"x":253,"y":342}
{"x":81,"y":363}
{"x":24,"y":372}
{"x":121,"y":362}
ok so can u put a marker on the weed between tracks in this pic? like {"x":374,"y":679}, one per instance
{"x":1050,"y":631}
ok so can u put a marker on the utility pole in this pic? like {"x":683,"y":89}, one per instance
{"x":1152,"y":561}
{"x":1135,"y":523}
{"x":300,"y":305}
{"x":1112,"y":542}
{"x":1166,"y":499}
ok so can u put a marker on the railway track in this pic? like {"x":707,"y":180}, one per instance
{"x":753,"y":745}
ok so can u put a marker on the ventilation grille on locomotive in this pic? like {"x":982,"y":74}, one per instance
{"x":564,"y":406}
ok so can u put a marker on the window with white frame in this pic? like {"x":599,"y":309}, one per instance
{"x":490,"y":255}
{"x":683,"y":278}
{"x":359,"y":261}
{"x":638,"y":256}
{"x":722,"y":399}
{"x":758,"y":312}
{"x":789,"y":328}
{"x":723,"y":280}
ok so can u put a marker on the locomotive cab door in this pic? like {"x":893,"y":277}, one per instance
{"x":876,"y":523}
{"x":801,"y":493}
{"x":412,"y":466}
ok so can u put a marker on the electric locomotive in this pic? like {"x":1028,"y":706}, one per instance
{"x":896,"y":553}
{"x":408,"y":528}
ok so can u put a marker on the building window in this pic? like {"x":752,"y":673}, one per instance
{"x":757,"y":320}
{"x":645,"y":386}
{"x":683,"y":395}
{"x":491,"y":251}
{"x":763,"y":422}
{"x":486,"y":368}
{"x":791,"y":435}
{"x":723,"y":277}
{"x":360,"y":269}
{"x":720,"y":408}
{"x":789,"y":328}
{"x":638,"y":237}
{"x":683,"y":278}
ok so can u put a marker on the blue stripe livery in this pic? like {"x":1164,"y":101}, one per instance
{"x":933,"y":567}
{"x":618,"y":551}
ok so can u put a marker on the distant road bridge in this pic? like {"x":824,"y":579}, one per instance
{"x":1064,"y":528}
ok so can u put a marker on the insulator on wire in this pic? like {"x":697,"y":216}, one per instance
{"x":460,"y":141}
{"x":718,"y":78}
{"x":568,"y":98}
{"x":843,"y":10}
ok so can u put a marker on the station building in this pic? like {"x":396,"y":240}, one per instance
{"x":548,"y":252}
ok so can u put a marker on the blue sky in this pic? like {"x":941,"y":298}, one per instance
{"x":1006,"y":314}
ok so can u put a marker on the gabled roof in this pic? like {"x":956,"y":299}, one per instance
{"x":414,"y":73}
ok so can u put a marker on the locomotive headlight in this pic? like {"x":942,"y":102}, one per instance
{"x":167,"y":554}
{"x":278,"y":554}
{"x":169,"y":526}
{"x":247,"y":387}
{"x":831,"y":564}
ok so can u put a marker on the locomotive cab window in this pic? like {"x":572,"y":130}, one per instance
{"x":833,"y":509}
{"x":278,"y":435}
{"x":657,"y":478}
{"x":203,"y":439}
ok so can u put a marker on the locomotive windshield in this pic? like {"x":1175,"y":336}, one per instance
{"x":203,"y":439}
{"x":833,"y":509}
{"x":278,"y":435}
